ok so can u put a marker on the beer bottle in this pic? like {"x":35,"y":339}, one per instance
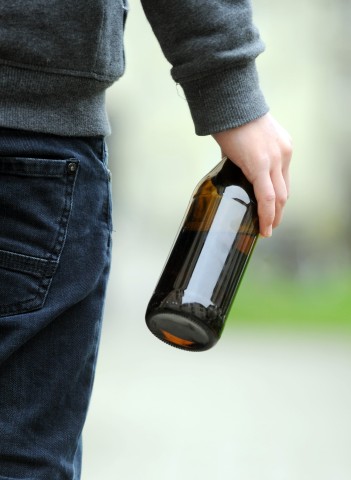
{"x":190,"y":304}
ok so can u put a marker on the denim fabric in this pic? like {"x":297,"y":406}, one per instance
{"x":55,"y":241}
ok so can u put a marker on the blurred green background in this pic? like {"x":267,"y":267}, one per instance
{"x":272,"y":399}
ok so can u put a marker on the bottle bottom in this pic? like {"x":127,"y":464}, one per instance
{"x":181,"y":331}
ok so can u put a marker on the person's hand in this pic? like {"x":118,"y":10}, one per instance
{"x":262,"y":149}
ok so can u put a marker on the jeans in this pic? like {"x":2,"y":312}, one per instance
{"x":55,"y":242}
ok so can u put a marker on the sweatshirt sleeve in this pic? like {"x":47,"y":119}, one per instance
{"x":212,"y":46}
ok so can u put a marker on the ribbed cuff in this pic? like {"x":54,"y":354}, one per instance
{"x":225,"y":100}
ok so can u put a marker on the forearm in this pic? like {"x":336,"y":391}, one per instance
{"x":212,"y":47}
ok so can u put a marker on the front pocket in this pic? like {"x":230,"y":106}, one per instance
{"x":35,"y":204}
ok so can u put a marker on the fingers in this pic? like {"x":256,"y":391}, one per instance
{"x":272,"y":185}
{"x":271,"y":191}
{"x":286,"y":175}
{"x":265,"y":196}
{"x":281,"y":196}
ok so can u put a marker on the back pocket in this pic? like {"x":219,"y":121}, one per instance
{"x":35,"y":205}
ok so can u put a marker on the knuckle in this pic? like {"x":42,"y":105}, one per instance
{"x":269,"y":197}
{"x":264,"y":163}
{"x":287,"y":150}
{"x":281,"y":199}
{"x":276,"y":156}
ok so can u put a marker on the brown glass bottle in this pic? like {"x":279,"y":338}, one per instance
{"x":190,"y":304}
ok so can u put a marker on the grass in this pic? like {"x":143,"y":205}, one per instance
{"x":324,"y":303}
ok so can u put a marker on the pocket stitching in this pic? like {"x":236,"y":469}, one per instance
{"x":52,"y":260}
{"x":26,"y":264}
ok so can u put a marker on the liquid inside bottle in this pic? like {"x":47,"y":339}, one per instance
{"x":190,"y":304}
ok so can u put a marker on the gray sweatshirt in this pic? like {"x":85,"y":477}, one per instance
{"x":58,"y":57}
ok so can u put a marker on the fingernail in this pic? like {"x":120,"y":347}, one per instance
{"x":268,"y":232}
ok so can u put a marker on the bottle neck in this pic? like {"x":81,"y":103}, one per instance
{"x":228,"y":174}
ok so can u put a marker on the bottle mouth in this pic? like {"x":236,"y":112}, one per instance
{"x":181,"y":331}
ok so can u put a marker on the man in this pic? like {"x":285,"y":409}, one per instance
{"x":57,"y":58}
